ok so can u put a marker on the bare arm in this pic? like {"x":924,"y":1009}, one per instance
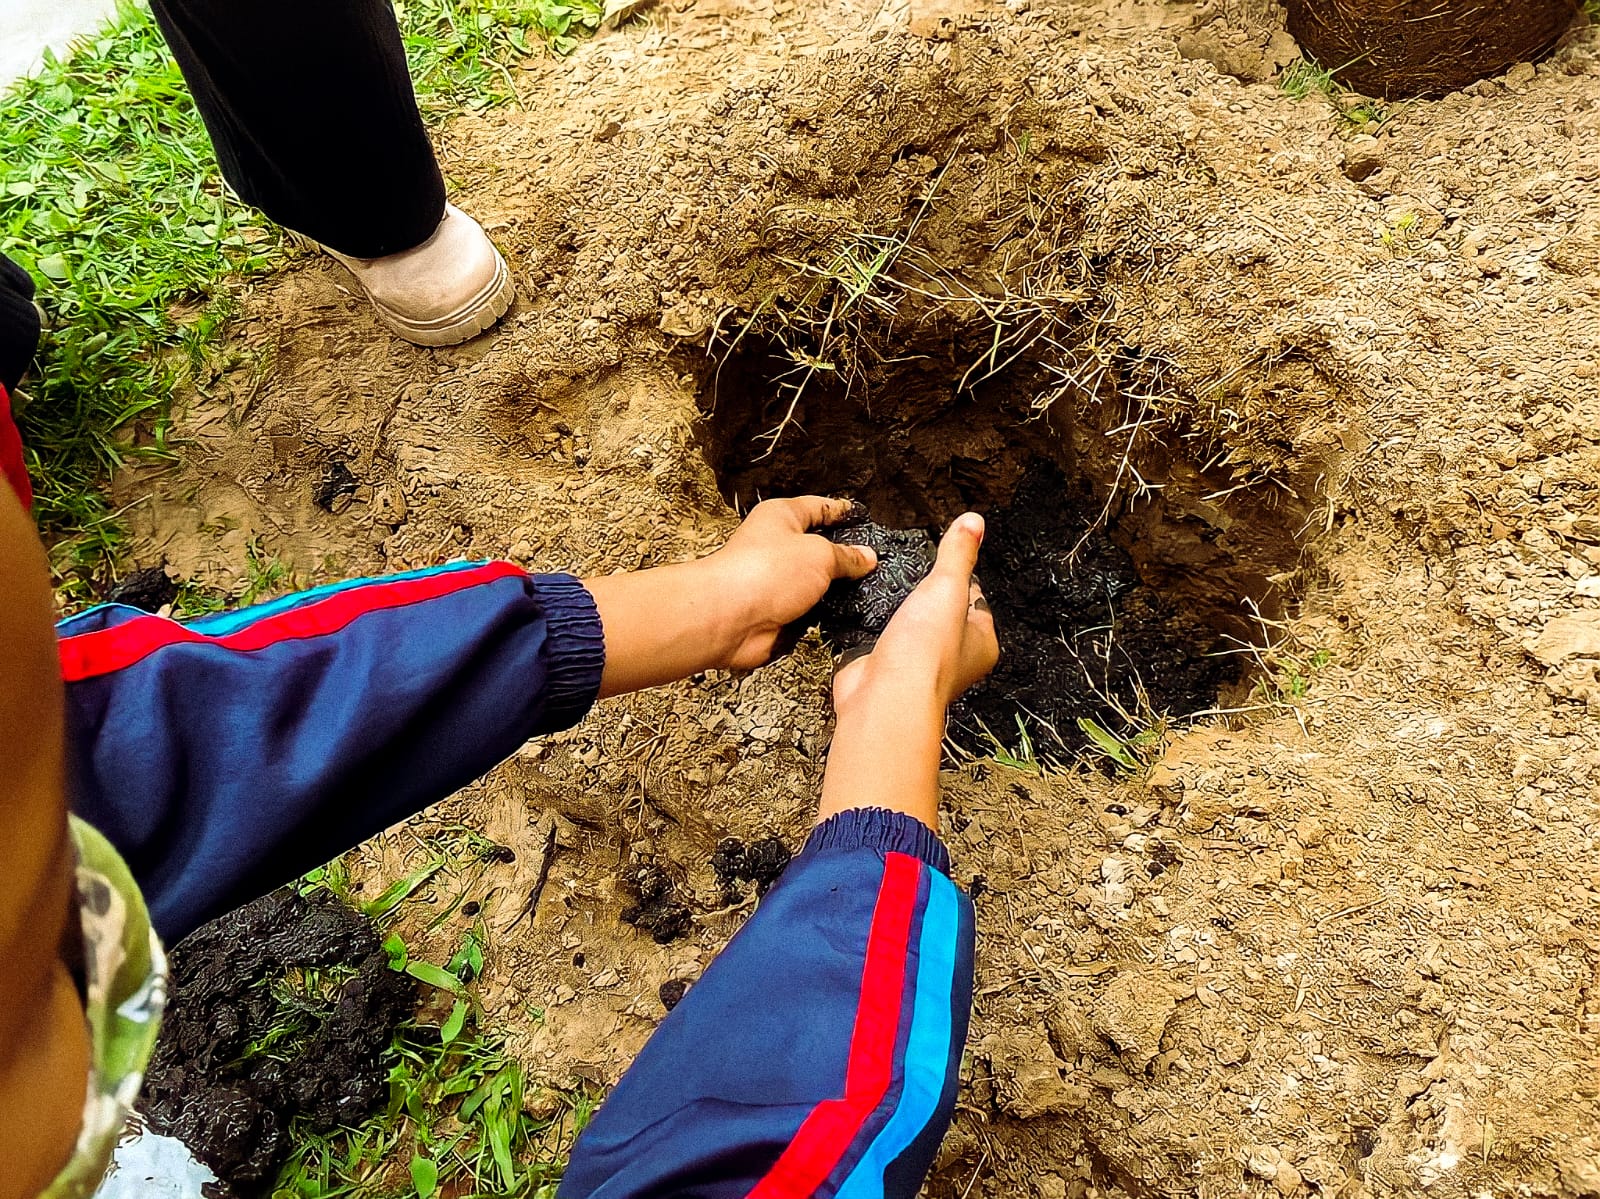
{"x":891,"y":703}
{"x":43,"y":1042}
{"x":727,"y":610}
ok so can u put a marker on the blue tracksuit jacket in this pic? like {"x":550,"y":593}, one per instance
{"x":818,"y":1055}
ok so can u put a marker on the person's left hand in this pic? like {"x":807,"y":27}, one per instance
{"x":774,"y":570}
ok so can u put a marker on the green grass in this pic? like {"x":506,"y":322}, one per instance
{"x":110,"y":197}
{"x":1289,"y":676}
{"x":1307,"y":77}
{"x":457,"y":1121}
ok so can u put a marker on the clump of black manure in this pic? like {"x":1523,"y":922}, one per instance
{"x":855,"y":611}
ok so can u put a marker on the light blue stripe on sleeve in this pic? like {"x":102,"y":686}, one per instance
{"x":224,"y":623}
{"x":927,"y":1048}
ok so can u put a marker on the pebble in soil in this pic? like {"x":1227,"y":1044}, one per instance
{"x":236,"y":1062}
{"x":1080,"y":635}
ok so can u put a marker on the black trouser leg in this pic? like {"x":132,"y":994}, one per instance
{"x":310,"y":108}
{"x":19,"y":323}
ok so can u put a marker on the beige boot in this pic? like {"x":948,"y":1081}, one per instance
{"x":449,"y":289}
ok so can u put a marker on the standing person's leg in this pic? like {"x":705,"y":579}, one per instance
{"x":310,"y":107}
{"x":19,"y":323}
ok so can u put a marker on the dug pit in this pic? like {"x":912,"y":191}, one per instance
{"x":1130,"y":586}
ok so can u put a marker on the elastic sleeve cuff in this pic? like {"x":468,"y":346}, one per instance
{"x":882,"y":830}
{"x":575,"y":649}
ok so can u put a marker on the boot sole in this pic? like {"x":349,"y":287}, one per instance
{"x":476,"y":316}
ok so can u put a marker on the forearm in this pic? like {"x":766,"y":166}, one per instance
{"x":836,"y":1017}
{"x":662,"y":625}
{"x":885,"y":754}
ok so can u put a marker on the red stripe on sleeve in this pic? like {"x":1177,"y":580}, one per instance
{"x":105,"y":651}
{"x":12,"y":467}
{"x":833,"y":1124}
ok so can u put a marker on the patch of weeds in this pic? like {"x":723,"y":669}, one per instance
{"x":1023,"y":756}
{"x":110,"y":198}
{"x":459,"y":50}
{"x":1290,"y":675}
{"x":1130,"y":752}
{"x":264,"y":574}
{"x":1307,"y":77}
{"x":1400,"y":237}
{"x":334,"y":877}
{"x":459,"y":1119}
{"x":401,"y":890}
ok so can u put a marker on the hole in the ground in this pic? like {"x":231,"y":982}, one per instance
{"x":1127,"y":583}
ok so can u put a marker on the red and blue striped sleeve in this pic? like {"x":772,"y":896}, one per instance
{"x":226,"y":756}
{"x":819,"y":1054}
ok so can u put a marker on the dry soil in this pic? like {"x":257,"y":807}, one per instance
{"x":1336,"y":392}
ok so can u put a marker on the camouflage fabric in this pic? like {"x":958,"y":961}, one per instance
{"x":126,"y":974}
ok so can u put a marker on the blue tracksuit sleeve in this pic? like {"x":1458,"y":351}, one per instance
{"x":819,"y":1054}
{"x":226,"y":756}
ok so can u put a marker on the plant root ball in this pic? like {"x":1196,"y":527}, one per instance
{"x":1402,"y":48}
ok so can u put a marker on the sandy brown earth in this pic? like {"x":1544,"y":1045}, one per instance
{"x":1339,"y":394}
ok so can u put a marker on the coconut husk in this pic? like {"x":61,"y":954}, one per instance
{"x":1401,"y":48}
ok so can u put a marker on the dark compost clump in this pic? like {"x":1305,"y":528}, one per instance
{"x":658,"y":911}
{"x":1081,"y":637}
{"x":855,"y":611}
{"x":149,"y":590}
{"x":281,"y":1009}
{"x":761,"y":862}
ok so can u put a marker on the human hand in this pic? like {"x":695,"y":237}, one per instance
{"x":891,"y":703}
{"x":775,"y":569}
{"x":940,"y":642}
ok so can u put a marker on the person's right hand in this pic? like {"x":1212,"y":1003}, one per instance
{"x":939,"y":643}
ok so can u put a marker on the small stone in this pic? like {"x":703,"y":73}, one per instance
{"x":1310,"y":832}
{"x":1287,"y":1179}
{"x":1575,"y":636}
{"x":1520,"y":75}
{"x":1133,"y":1013}
{"x":1071,"y":1033}
{"x":1363,"y":158}
{"x":1027,"y":1075}
{"x":1263,"y":1161}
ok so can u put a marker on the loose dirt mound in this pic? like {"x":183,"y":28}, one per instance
{"x":1337,"y":400}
